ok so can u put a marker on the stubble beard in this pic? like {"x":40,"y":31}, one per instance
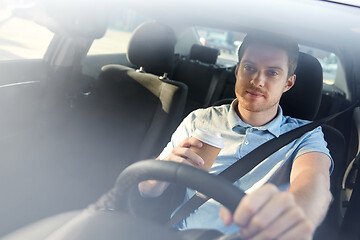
{"x":252,"y":106}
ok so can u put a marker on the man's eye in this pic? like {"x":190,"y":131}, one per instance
{"x":273,"y":73}
{"x":248,"y":68}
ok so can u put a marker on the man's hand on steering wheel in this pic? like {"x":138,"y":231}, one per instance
{"x":269,"y":214}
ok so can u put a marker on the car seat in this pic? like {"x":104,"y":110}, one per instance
{"x":129,"y":115}
{"x":142,"y":109}
{"x":204,"y":54}
{"x":204,"y":78}
{"x":303,"y":101}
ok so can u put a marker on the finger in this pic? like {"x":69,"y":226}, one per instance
{"x":190,"y":156}
{"x":301,"y":231}
{"x":191,"y":142}
{"x":289,"y":219}
{"x":176,"y":158}
{"x":252,"y":203}
{"x":226,"y":216}
{"x":181,"y":154}
{"x":274,"y":208}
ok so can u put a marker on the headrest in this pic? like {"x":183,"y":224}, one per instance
{"x":303,"y":99}
{"x":152,"y":47}
{"x":204,"y":54}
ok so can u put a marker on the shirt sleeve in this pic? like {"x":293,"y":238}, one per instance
{"x":314,"y":142}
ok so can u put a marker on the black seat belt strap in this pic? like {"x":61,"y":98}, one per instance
{"x":251,"y":160}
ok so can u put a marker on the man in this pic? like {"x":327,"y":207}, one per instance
{"x":288,"y":193}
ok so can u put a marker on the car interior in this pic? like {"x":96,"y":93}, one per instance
{"x":88,"y":117}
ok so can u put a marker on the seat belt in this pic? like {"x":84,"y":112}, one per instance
{"x":251,"y":160}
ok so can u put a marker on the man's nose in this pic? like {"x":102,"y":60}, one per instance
{"x":258,"y":79}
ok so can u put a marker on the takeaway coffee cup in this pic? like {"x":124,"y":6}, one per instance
{"x":212,"y":144}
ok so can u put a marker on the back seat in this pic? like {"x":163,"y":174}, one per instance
{"x":204,"y":78}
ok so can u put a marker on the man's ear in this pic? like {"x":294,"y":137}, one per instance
{"x":289,"y":83}
{"x":236,"y":69}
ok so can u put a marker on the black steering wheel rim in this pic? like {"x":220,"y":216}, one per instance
{"x":213,"y":186}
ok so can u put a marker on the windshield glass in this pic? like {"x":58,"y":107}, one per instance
{"x":21,"y":37}
{"x":121,"y":24}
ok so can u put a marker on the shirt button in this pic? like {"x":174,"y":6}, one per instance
{"x":250,"y":129}
{"x":246,"y":142}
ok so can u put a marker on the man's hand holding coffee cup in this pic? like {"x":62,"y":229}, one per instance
{"x":212,"y":143}
{"x":184,"y":152}
{"x":200,"y":151}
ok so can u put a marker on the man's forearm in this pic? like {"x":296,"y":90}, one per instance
{"x":312,"y":194}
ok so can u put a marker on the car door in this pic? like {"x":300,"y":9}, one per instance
{"x":23,"y":44}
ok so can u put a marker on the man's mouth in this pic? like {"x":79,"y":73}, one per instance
{"x":254,"y":93}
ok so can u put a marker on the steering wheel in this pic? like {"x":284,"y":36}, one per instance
{"x":96,"y":224}
{"x":213,"y":186}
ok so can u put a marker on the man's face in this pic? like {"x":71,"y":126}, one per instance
{"x":261,"y":78}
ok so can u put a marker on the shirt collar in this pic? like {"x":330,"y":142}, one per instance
{"x":273,"y":126}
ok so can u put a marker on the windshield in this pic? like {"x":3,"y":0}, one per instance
{"x":21,"y":37}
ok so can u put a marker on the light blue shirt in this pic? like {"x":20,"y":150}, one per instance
{"x":239,"y":139}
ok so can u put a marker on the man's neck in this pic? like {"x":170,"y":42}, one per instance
{"x":256,"y":119}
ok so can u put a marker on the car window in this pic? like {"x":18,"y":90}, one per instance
{"x":228,"y":42}
{"x":20,"y":36}
{"x":121,"y":24}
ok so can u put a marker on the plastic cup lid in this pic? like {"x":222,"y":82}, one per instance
{"x":211,"y":138}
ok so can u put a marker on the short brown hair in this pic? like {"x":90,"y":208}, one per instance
{"x":264,"y":38}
